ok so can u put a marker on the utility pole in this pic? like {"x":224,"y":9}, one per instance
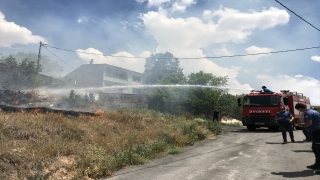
{"x":39,"y":56}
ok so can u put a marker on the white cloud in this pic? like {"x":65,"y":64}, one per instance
{"x":210,"y":67}
{"x":82,"y":19}
{"x":154,"y":2}
{"x":232,"y":18}
{"x":186,"y":37}
{"x":207,"y":14}
{"x":181,"y":5}
{"x":134,"y":64}
{"x":249,"y":70}
{"x":256,"y":50}
{"x":127,"y":25}
{"x":223,"y":51}
{"x":11,"y":34}
{"x":171,"y":33}
{"x":145,"y":54}
{"x":310,"y":87}
{"x":269,"y":69}
{"x":298,"y":76}
{"x":177,"y":5}
{"x":316,"y":58}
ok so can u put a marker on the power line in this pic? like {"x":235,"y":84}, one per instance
{"x":272,"y":52}
{"x":297,"y":15}
{"x":58,"y":57}
{"x":209,"y":57}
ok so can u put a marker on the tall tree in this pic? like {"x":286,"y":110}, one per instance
{"x":19,"y":75}
{"x":204,"y":100}
{"x":50,"y":67}
{"x":206,"y":79}
{"x":163,"y":68}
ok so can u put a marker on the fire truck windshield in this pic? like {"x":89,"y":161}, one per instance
{"x":261,"y":101}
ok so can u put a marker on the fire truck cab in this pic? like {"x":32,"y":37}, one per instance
{"x":259,"y":108}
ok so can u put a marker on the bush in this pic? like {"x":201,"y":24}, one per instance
{"x":199,"y":102}
{"x":200,"y":121}
{"x":77,"y":101}
{"x":34,"y":143}
{"x":175,"y":150}
{"x":214,"y":127}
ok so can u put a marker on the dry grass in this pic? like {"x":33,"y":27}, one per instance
{"x":52,"y":146}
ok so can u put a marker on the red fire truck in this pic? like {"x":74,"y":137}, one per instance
{"x":259,"y":108}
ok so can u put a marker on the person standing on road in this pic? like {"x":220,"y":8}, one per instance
{"x":306,"y":133}
{"x":312,"y":124}
{"x":216,"y":115}
{"x":285,"y":120}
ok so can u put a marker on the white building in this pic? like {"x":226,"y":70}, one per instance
{"x":104,"y":75}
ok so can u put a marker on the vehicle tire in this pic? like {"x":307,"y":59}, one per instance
{"x":251,"y":127}
{"x":273,"y":128}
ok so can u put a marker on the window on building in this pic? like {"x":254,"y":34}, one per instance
{"x":115,"y":75}
{"x":136,"y":78}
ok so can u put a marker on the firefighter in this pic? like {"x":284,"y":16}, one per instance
{"x":216,"y":115}
{"x":265,"y":89}
{"x":285,"y":120}
{"x":312,"y":124}
{"x":306,"y":133}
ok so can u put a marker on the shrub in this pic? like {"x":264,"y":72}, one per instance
{"x":175,"y":150}
{"x":200,"y":121}
{"x":214,"y":127}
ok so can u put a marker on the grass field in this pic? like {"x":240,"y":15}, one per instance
{"x":52,"y":146}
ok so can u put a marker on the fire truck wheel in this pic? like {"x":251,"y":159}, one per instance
{"x":251,"y":127}
{"x":274,"y":128}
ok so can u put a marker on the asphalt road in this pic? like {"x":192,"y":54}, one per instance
{"x":236,"y":154}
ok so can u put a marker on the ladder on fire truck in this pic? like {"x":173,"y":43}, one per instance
{"x":299,"y":95}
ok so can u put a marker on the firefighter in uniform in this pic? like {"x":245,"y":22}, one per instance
{"x":216,"y":115}
{"x":285,"y":121}
{"x":312,"y":124}
{"x":306,"y":133}
{"x":265,"y":89}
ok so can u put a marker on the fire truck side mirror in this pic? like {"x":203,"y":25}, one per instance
{"x":239,"y":101}
{"x":285,"y":101}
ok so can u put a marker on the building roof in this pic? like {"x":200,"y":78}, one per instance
{"x":121,"y":68}
{"x":83,"y":65}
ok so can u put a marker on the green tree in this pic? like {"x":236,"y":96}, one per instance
{"x":163,"y":68}
{"x":92,"y":97}
{"x":206,"y":79}
{"x":72,"y":95}
{"x":166,"y":99}
{"x":76,"y":100}
{"x":19,"y":75}
{"x":201,"y":101}
{"x":50,"y":67}
{"x":86,"y":98}
{"x":228,"y":106}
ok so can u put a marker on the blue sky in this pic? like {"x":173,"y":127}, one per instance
{"x":187,"y":28}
